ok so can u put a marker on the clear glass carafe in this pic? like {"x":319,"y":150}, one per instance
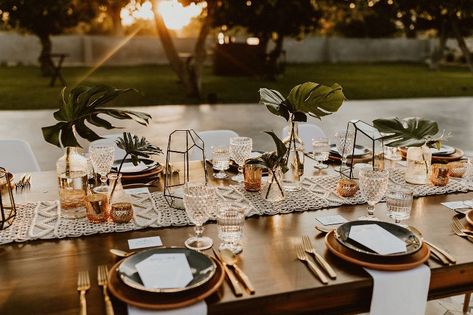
{"x":273,"y":190}
{"x":121,"y":207}
{"x":295,"y":158}
{"x":71,"y":171}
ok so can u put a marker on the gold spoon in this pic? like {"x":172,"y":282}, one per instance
{"x":230,"y":259}
{"x":120,"y":253}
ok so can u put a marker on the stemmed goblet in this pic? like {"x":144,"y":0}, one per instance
{"x":101,"y":156}
{"x":320,"y":151}
{"x":220,"y":161}
{"x":240,"y":151}
{"x":373,"y":186}
{"x":345,"y":141}
{"x":198,"y":202}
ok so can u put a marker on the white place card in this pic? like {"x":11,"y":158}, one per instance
{"x":165,"y":271}
{"x":377,"y":239}
{"x":454,"y":205}
{"x":331,"y":219}
{"x":137,"y":191}
{"x":144,"y":242}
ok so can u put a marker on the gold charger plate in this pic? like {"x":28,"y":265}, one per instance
{"x":378,"y":263}
{"x":163,"y":301}
{"x":143,"y":176}
{"x":360,"y":159}
{"x":469,"y":218}
{"x":455,"y":156}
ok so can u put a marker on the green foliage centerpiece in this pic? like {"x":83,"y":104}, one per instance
{"x":306,"y":99}
{"x":416,"y":134}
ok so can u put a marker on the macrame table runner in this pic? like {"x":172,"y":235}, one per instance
{"x":42,"y":220}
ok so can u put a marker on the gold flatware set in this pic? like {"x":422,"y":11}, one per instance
{"x":233,"y":272}
{"x":305,"y":248}
{"x":83,"y":285}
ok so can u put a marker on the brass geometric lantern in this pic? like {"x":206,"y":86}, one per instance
{"x":7,"y":203}
{"x":179,"y":169}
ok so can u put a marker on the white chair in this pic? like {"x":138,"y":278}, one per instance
{"x":16,"y":156}
{"x":307,"y":132}
{"x":212,"y":138}
{"x":110,"y":139}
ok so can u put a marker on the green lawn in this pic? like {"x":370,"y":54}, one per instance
{"x":24,"y":88}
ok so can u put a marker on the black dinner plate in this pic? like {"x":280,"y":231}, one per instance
{"x":359,"y":150}
{"x":413,"y":242}
{"x":202,"y":267}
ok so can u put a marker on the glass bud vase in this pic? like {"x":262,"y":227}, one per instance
{"x":418,"y":165}
{"x":295,"y":158}
{"x":273,"y":190}
{"x":71,"y":171}
{"x":121,"y":207}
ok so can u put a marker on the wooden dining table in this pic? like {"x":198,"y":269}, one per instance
{"x":40,"y":277}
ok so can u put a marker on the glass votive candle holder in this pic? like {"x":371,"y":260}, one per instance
{"x":97,"y":207}
{"x":457,"y":169}
{"x":439,"y":174}
{"x":252,"y":174}
{"x":347,"y":187}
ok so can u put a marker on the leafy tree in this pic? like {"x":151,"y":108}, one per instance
{"x":189,"y":71}
{"x":45,"y":18}
{"x":270,"y":20}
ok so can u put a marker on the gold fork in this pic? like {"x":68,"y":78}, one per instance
{"x":307,"y":244}
{"x":461,"y":227}
{"x":83,"y":284}
{"x":102,"y":272}
{"x":458,"y":232}
{"x":302,"y":256}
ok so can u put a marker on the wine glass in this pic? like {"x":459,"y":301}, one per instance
{"x":198,"y":201}
{"x":321,"y":151}
{"x":220,"y":161}
{"x":373,"y":186}
{"x":240,"y":150}
{"x":345,"y":141}
{"x":101,"y":156}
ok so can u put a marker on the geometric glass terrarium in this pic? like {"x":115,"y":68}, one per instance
{"x":367,"y":142}
{"x":179,"y":170}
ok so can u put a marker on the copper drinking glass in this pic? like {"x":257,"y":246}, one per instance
{"x":97,"y":207}
{"x":439,"y":174}
{"x":252,"y":177}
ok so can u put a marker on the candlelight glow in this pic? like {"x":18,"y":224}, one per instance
{"x":174,"y":14}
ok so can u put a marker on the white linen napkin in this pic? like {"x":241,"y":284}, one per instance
{"x":400,"y":292}
{"x":199,"y":308}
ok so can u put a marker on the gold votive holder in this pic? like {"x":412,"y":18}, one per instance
{"x":456,"y":169}
{"x":252,"y":174}
{"x":439,"y":174}
{"x":347,"y":187}
{"x":97,"y":207}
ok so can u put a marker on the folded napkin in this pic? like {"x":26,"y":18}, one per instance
{"x":199,"y":308}
{"x":400,"y":292}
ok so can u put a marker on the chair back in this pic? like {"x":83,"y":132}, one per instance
{"x":16,"y":156}
{"x":307,"y":132}
{"x":212,"y":138}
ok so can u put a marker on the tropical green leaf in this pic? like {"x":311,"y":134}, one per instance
{"x":137,"y":148}
{"x":83,"y":104}
{"x":281,"y":148}
{"x":408,"y":132}
{"x":274,"y":102}
{"x":316,"y":99}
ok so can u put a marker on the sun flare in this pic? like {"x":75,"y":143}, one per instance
{"x":175,"y":15}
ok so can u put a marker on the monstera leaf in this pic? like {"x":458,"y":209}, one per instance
{"x":408,"y":132}
{"x":137,"y":149}
{"x":84,"y":104}
{"x":308,"y":98}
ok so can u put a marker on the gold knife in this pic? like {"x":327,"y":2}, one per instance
{"x":232,"y":280}
{"x":441,"y":251}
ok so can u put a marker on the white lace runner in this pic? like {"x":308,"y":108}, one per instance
{"x":42,"y":220}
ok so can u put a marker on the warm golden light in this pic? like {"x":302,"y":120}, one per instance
{"x":174,"y":14}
